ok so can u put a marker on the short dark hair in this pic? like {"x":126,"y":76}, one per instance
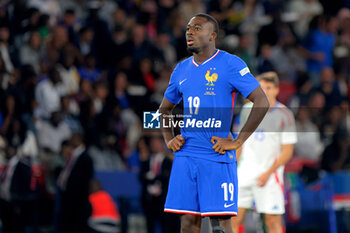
{"x":211,"y":19}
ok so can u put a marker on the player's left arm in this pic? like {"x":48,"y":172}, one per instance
{"x":285,"y":156}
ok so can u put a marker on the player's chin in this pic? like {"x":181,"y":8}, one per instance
{"x":192,"y":49}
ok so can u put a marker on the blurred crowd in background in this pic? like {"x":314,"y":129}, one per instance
{"x":72,"y":69}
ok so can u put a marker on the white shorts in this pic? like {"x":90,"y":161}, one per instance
{"x":268,"y":199}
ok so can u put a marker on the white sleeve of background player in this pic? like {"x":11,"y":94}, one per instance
{"x":289,"y":134}
{"x":243,"y":116}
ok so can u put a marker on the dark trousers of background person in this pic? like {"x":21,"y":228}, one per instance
{"x":19,"y":216}
{"x":154,"y":212}
{"x":74,"y":220}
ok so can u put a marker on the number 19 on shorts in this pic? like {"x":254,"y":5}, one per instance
{"x":228,"y":190}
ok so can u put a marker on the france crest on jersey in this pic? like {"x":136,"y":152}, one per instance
{"x":208,"y":91}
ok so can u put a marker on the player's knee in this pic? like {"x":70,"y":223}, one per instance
{"x":190,"y":223}
{"x":273,"y":221}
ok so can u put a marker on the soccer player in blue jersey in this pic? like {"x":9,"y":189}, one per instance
{"x":203,"y":179}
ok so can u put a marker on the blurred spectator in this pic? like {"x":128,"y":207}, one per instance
{"x":141,"y":46}
{"x":8,"y":104}
{"x":105,"y":214}
{"x":85,"y":42}
{"x":329,"y":87}
{"x":224,"y":13}
{"x":89,"y":121}
{"x":166,"y":50}
{"x":316,"y":104}
{"x":86,"y":91}
{"x":148,"y":18}
{"x":30,"y":52}
{"x":119,"y":93}
{"x":8,"y":214}
{"x":318,"y":45}
{"x":52,"y":133}
{"x":56,"y":43}
{"x":177,"y":33}
{"x":69,"y":21}
{"x":147,"y":74}
{"x":19,"y":187}
{"x":48,"y":94}
{"x":331,"y":123}
{"x":308,"y":134}
{"x":336,"y":156}
{"x":78,"y":6}
{"x":70,"y":111}
{"x":74,"y":182}
{"x":189,"y":8}
{"x":305,"y":10}
{"x":161,"y":85}
{"x":122,"y":44}
{"x":154,"y":175}
{"x":89,"y":70}
{"x":106,"y":10}
{"x":285,"y":56}
{"x":250,"y":15}
{"x":69,"y":74}
{"x":105,"y":155}
{"x":245,"y":52}
{"x":101,"y":93}
{"x":6,"y":53}
{"x":49,"y":7}
{"x":304,"y":90}
{"x":264,"y":63}
{"x":120,"y":19}
{"x":141,"y":153}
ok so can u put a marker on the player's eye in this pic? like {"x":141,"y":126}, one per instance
{"x":197,"y":28}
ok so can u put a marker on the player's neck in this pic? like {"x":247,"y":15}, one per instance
{"x":273,"y":103}
{"x":204,"y":55}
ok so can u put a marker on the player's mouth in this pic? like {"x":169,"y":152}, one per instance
{"x":189,"y":42}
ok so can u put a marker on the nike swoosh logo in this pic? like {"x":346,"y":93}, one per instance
{"x":182,"y":81}
{"x":226,"y":206}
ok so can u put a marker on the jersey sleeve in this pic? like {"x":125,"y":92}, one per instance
{"x":172,"y":93}
{"x":242,"y":79}
{"x":289,"y":135}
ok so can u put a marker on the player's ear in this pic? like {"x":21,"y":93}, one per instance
{"x":213,"y":36}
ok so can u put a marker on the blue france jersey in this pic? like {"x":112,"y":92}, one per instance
{"x":208,"y":91}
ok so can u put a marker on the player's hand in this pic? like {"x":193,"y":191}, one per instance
{"x":221,"y":145}
{"x":176,"y":143}
{"x":263,"y":178}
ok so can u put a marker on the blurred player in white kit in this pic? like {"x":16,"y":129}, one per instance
{"x":262,"y":158}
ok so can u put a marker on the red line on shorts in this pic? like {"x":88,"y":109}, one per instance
{"x":279,"y":182}
{"x":181,"y":212}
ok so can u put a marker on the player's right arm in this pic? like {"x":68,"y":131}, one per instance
{"x":173,"y":143}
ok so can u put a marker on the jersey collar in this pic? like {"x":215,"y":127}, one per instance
{"x":210,"y":58}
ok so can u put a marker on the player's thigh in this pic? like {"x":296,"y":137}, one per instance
{"x":217,"y":188}
{"x":182,"y":197}
{"x":269,"y":199}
